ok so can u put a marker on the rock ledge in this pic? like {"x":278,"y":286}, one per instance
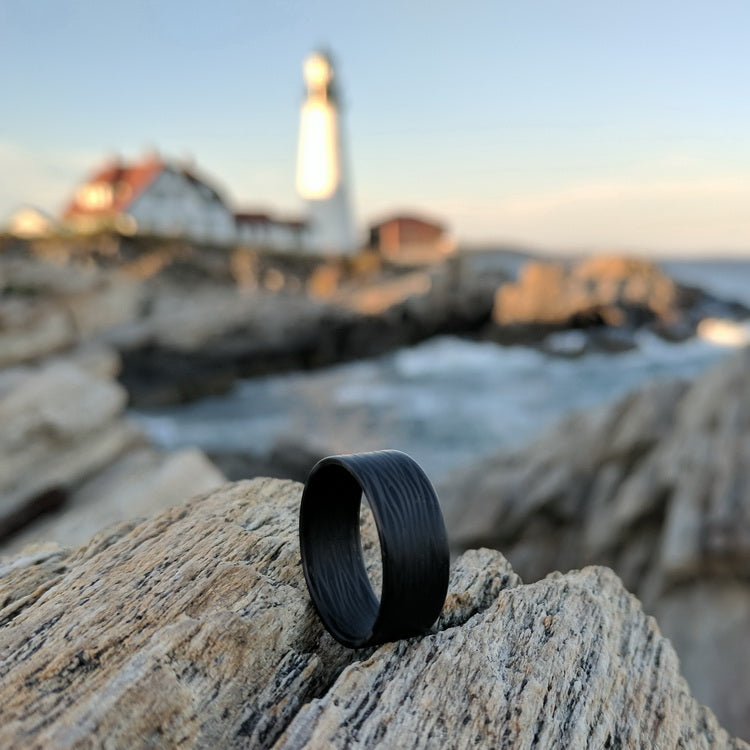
{"x":194,"y":629}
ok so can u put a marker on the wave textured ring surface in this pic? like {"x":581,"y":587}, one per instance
{"x":413,"y":547}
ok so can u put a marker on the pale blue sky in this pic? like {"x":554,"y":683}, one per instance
{"x":561,"y":125}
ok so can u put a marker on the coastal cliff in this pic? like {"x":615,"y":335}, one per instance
{"x":188,"y":321}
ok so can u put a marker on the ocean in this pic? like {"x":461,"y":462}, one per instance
{"x":448,"y":401}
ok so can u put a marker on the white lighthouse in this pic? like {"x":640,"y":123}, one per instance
{"x":321,"y":169}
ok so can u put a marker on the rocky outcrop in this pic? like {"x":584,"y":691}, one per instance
{"x":194,"y":629}
{"x":187,"y":322}
{"x":199,"y":340}
{"x":608,"y":292}
{"x":58,"y":425}
{"x":46,"y":308}
{"x":68,"y":450}
{"x":657,"y":487}
{"x":140,"y":481}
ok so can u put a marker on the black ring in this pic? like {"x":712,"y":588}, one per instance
{"x":413,"y":547}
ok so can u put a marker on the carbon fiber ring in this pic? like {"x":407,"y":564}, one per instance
{"x":413,"y":547}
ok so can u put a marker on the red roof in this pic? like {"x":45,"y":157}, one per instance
{"x":125,"y":182}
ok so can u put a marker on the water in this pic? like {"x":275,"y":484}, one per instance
{"x":446,"y":402}
{"x":727,"y":279}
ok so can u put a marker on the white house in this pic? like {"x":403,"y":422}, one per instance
{"x":152,"y":197}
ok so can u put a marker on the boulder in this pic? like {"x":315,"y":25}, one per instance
{"x":139,"y":482}
{"x":195,"y":629}
{"x":186,"y":319}
{"x":46,"y":308}
{"x":70,"y":455}
{"x":113,"y":300}
{"x":29,"y":330}
{"x":197,"y":340}
{"x":187,"y":327}
{"x":598,"y":291}
{"x":60,"y":424}
{"x":656,"y":486}
{"x":95,"y":359}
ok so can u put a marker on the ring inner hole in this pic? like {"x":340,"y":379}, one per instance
{"x":368,"y":536}
{"x":339,"y":582}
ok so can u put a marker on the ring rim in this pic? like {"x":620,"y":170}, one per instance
{"x":413,"y":547}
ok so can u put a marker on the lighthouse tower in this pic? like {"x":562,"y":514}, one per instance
{"x":321,"y":171}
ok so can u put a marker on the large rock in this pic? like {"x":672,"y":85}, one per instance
{"x":29,"y":330}
{"x":199,"y":339}
{"x":194,"y":629}
{"x":187,"y":318}
{"x":113,"y":301}
{"x":70,"y":455}
{"x":601,"y":290}
{"x":140,"y":482}
{"x":60,"y":424}
{"x":657,"y":487}
{"x":46,"y":308}
{"x":185,"y":328}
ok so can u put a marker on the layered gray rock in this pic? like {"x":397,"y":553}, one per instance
{"x":70,"y":455}
{"x":139,"y":482}
{"x":46,"y":307}
{"x":657,"y":487}
{"x":58,"y":425}
{"x":194,"y":629}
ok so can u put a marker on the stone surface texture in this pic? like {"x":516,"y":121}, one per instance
{"x":656,"y":487}
{"x":50,"y":307}
{"x":72,"y":462}
{"x":194,"y":629}
{"x":138,"y":483}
